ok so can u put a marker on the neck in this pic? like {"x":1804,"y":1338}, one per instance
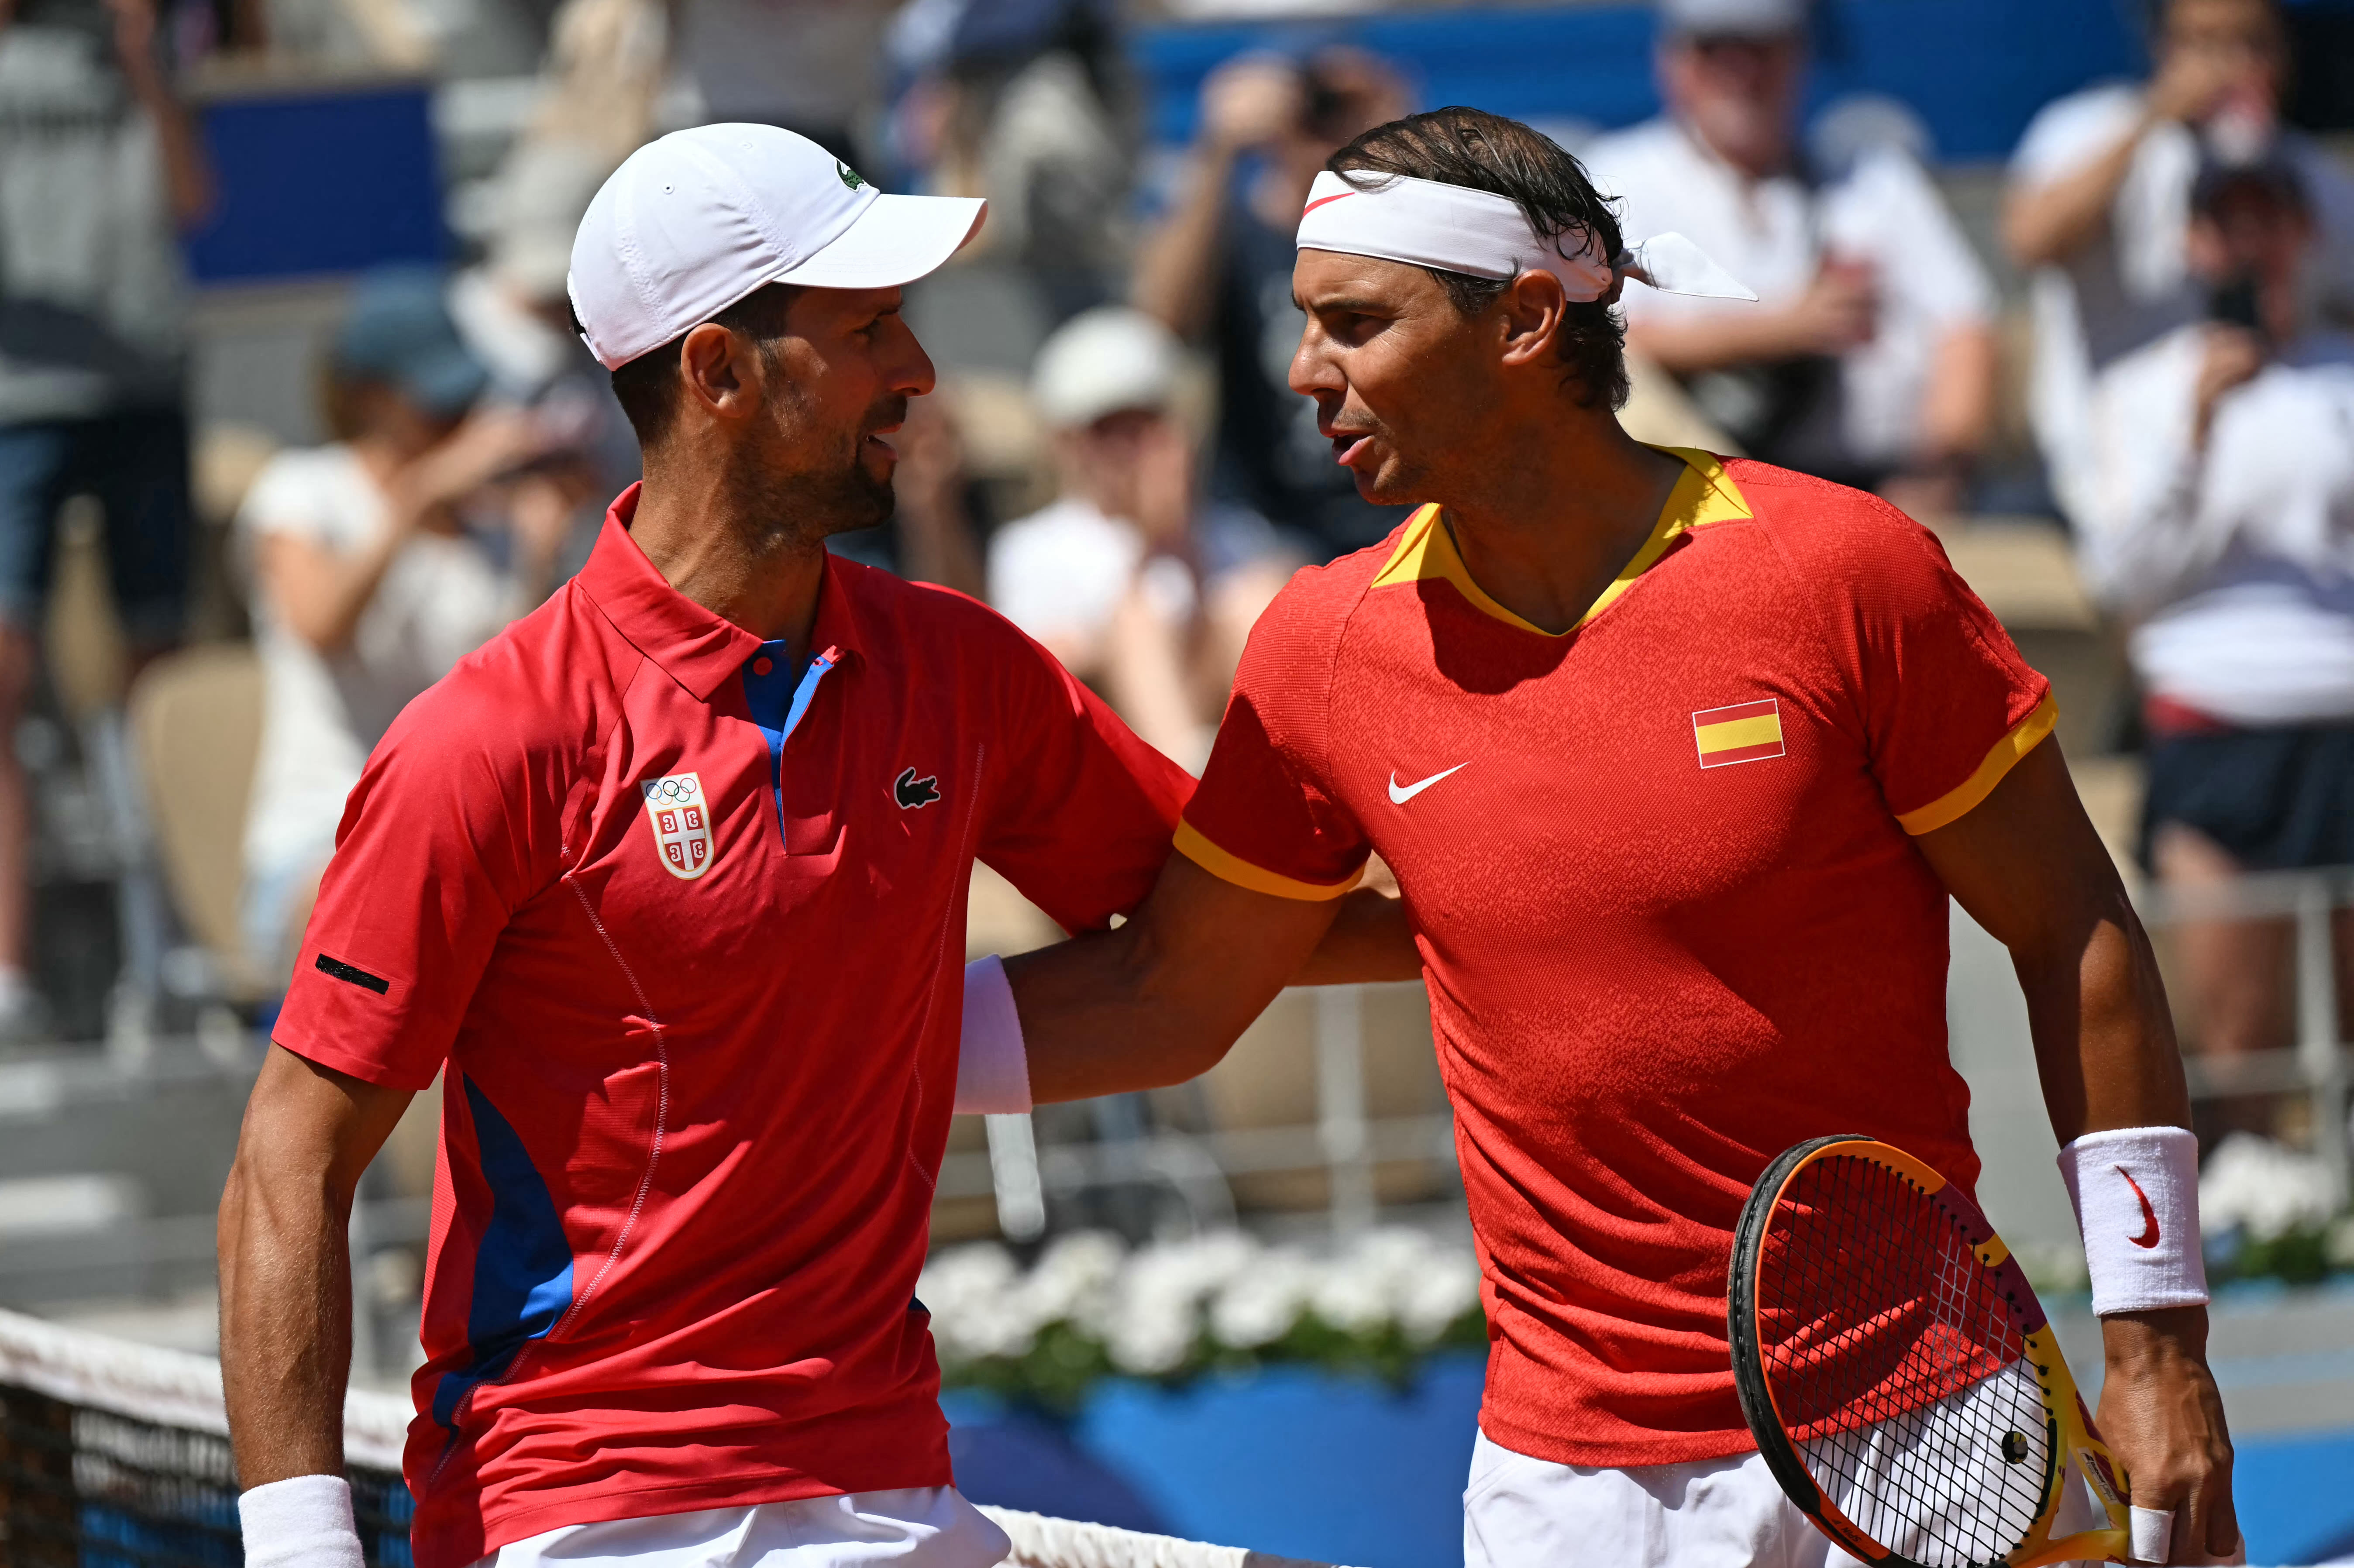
{"x":1547,"y":531}
{"x":715,"y":543}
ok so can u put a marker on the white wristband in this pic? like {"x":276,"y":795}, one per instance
{"x":305,"y":1522}
{"x":992,"y":1063}
{"x":2135,"y":1193}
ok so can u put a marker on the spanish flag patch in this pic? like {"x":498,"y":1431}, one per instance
{"x":1746,"y":732}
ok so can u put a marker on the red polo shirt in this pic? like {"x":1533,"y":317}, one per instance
{"x":687,"y":927}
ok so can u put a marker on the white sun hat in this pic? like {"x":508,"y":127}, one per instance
{"x":695,"y":221}
{"x":1106,"y":361}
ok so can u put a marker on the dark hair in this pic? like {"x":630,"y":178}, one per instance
{"x":647,"y":386}
{"x":1471,"y":147}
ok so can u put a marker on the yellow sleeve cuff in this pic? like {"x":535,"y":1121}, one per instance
{"x":1232,"y":868}
{"x":1961,"y":800}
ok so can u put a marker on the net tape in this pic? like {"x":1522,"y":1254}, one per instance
{"x":115,"y":1454}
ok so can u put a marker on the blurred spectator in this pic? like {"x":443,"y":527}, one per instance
{"x":370,"y":584}
{"x":2221,"y":524}
{"x":606,"y":63}
{"x":514,"y":316}
{"x":1136,"y":590}
{"x":1219,"y":268}
{"x":2100,"y":195}
{"x":1025,"y":102}
{"x":1870,"y":358}
{"x":98,"y":163}
{"x":805,"y":65}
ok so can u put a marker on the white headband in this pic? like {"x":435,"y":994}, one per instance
{"x":1457,"y":229}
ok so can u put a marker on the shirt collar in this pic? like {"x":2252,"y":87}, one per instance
{"x":697,"y":648}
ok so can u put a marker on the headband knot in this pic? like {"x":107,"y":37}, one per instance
{"x":1455,"y":229}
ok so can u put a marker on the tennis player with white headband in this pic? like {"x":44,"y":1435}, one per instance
{"x":1678,"y":760}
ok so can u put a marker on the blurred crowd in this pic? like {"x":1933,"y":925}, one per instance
{"x":1116,"y":460}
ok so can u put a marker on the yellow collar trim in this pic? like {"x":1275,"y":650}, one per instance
{"x":1705,"y":495}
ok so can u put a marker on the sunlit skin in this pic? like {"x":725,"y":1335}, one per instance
{"x":1548,"y":498}
{"x":779,"y":445}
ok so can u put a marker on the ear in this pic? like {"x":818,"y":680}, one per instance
{"x":1532,"y":308}
{"x":716,"y":367}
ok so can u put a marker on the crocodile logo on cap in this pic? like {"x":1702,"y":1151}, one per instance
{"x":850,"y":176}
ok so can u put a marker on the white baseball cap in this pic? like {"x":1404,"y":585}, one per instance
{"x":697,"y":221}
{"x":1104,"y":361}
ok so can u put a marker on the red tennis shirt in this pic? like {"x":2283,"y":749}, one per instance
{"x":687,"y":927}
{"x":1670,"y":915}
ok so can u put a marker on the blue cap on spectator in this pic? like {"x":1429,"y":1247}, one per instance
{"x":1732,"y":18}
{"x":398,"y":330}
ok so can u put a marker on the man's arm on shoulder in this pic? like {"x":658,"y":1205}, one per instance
{"x":2028,"y":867}
{"x":285,"y":1266}
{"x":1160,"y":999}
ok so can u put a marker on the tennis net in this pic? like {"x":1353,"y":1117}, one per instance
{"x":115,"y":1454}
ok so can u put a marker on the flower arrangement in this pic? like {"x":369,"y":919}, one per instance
{"x":1091,"y":1307}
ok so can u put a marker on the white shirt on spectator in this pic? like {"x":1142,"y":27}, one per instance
{"x":2132,"y":284}
{"x":2237,"y":563}
{"x":1061,"y":574}
{"x":1774,"y":236}
{"x":441,"y":599}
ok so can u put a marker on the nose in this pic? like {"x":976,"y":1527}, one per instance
{"x":912,"y":374}
{"x":1313,"y":368}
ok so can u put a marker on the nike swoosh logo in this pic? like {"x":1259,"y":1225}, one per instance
{"x":2148,"y":1236}
{"x":1323,"y":201}
{"x":1400,"y":795}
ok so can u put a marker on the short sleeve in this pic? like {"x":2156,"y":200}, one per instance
{"x":441,"y":840}
{"x":1265,"y":817}
{"x":1082,"y":812}
{"x":1948,"y":705}
{"x":2066,"y":135}
{"x":307,"y":496}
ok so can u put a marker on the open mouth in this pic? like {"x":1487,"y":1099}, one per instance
{"x":1347,"y":445}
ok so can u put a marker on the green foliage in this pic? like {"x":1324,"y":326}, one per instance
{"x":1063,"y":1360}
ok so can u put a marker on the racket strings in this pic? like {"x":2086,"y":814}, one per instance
{"x":1898,"y":1368}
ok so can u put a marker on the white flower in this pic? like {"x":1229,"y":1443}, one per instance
{"x":1259,"y":1306}
{"x":1073,"y":1278}
{"x":2265,"y":1188}
{"x":1447,"y":1286}
{"x":971,"y":1292}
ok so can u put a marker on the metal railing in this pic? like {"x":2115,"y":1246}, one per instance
{"x":1346,"y":1142}
{"x":2315,"y":1064}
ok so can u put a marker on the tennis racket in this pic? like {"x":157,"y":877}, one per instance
{"x":1900,"y":1377}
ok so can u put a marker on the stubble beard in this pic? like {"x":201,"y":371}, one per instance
{"x":796,"y":505}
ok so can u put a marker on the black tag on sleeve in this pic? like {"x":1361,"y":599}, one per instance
{"x":354,"y":975}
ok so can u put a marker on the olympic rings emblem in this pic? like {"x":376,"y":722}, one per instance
{"x":680,"y":788}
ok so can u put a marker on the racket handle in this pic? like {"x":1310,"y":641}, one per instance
{"x":2090,"y":1546}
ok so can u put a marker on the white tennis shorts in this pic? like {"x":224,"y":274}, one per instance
{"x":1522,"y":1512}
{"x":912,"y":1527}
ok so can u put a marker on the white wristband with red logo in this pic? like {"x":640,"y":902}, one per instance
{"x":302,"y":1522}
{"x":2135,"y":1192}
{"x":993,"y":1061}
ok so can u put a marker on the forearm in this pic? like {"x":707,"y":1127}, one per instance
{"x":1176,"y":275}
{"x":286,"y":1324}
{"x":1957,"y":409}
{"x":2046,"y":224}
{"x":2104,"y":1046}
{"x":1690,"y":345}
{"x":1100,"y":1018}
{"x":188,"y":175}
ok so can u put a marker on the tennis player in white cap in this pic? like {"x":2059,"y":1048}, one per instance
{"x":668,"y":884}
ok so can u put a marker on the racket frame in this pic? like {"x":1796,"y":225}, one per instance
{"x":2071,"y":1432}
